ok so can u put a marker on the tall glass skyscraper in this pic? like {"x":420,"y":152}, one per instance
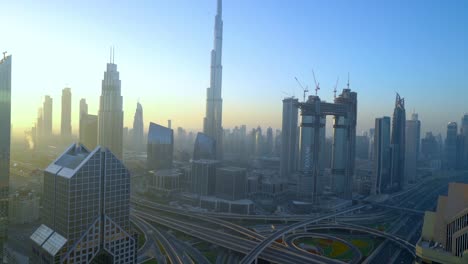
{"x":137,"y":133}
{"x":212,"y":124}
{"x":397,"y":176}
{"x":110,"y":116}
{"x":5,"y":139}
{"x":381,"y":170}
{"x":86,"y":210}
{"x":289,"y":138}
{"x":65,"y":125}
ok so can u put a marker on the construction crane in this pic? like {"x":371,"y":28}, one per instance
{"x":317,"y":85}
{"x":305,"y":90}
{"x":336,"y":85}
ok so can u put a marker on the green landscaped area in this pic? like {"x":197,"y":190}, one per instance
{"x":338,"y":250}
{"x":141,"y":236}
{"x":151,"y":261}
{"x":207,"y":250}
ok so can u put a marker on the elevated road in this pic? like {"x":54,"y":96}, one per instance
{"x":256,"y":251}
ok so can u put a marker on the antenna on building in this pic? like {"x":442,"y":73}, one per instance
{"x":305,"y":90}
{"x":348,"y":81}
{"x":336,"y":85}
{"x":4,"y":54}
{"x":317,"y":85}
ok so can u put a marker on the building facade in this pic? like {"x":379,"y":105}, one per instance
{"x":203,"y":176}
{"x":110,"y":116}
{"x":47,"y":110}
{"x":450,"y":153}
{"x":138,"y":135}
{"x":381,"y":170}
{"x":289,"y":138}
{"x":86,"y":210}
{"x":65,"y":125}
{"x":231,"y":183}
{"x":397,"y":164}
{"x":89,"y":130}
{"x":160,"y":149}
{"x":413,"y":137}
{"x":212,"y":124}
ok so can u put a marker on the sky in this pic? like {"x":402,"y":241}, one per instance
{"x":162,"y":48}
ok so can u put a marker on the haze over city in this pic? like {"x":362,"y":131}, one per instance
{"x":414,"y":48}
{"x":235,"y":131}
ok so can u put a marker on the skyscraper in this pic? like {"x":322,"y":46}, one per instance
{"x":160,"y":149}
{"x":110,"y":116}
{"x":212,"y":124}
{"x":5,"y":140}
{"x":47,"y":117}
{"x":289,"y":137}
{"x":89,"y":130}
{"x":451,"y":146}
{"x":413,"y":137}
{"x":65,"y":130}
{"x":463,"y":164}
{"x":83,"y":107}
{"x":397,"y":168}
{"x":138,"y":128}
{"x":269,"y":141}
{"x":86,"y":210}
{"x":381,"y":173}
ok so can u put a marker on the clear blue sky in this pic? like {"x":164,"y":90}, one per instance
{"x":416,"y":48}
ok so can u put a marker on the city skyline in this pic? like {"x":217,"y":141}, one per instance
{"x":436,"y":67}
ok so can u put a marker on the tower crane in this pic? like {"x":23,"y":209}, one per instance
{"x":336,"y":85}
{"x":305,"y":90}
{"x":317,"y":85}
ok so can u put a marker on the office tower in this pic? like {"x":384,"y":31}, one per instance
{"x":269,"y":141}
{"x":413,"y":137}
{"x":429,"y":147}
{"x":231,"y":183}
{"x":83,"y":107}
{"x":362,"y":147}
{"x":160,"y":147}
{"x":451,"y":146}
{"x":204,"y":177}
{"x":258,"y":143}
{"x":289,"y":138}
{"x":47,"y":117}
{"x":86,"y":210}
{"x":397,"y":167}
{"x":89,"y":130}
{"x":381,"y":172}
{"x":212,"y":124}
{"x":463,"y":148}
{"x":277,"y":147}
{"x":138,"y":128}
{"x":5,"y":141}
{"x":66,"y":130}
{"x":205,"y":147}
{"x":444,"y":236}
{"x":371,"y":143}
{"x":110,"y":116}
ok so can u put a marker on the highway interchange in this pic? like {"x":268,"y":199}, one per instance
{"x":235,"y":233}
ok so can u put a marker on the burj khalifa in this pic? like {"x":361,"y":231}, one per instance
{"x":212,"y":123}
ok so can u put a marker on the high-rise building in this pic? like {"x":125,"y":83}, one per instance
{"x":86,"y":210}
{"x":231,"y":183}
{"x":289,"y":138}
{"x":5,"y":141}
{"x":381,"y":173}
{"x":110,"y":116}
{"x":397,"y":165}
{"x":444,"y":236}
{"x":429,"y":147}
{"x":450,"y":157}
{"x":204,"y":177}
{"x":463,"y":159}
{"x":83,"y":107}
{"x":362,"y":147}
{"x":212,"y":124}
{"x":66,"y":130}
{"x":47,"y":117}
{"x":89,"y":130}
{"x":413,"y":137}
{"x":269,"y":141}
{"x":204,"y":148}
{"x":138,"y":136}
{"x":160,"y":149}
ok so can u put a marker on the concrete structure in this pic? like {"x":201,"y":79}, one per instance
{"x":165,"y":180}
{"x":5,"y":141}
{"x":160,"y":148}
{"x":413,"y":137}
{"x":24,"y":207}
{"x":86,"y":210}
{"x":444,"y":237}
{"x":89,"y":130}
{"x":450,"y":153}
{"x":212,"y":123}
{"x":110,"y":116}
{"x":231,"y":183}
{"x":137,"y":132}
{"x":381,"y":155}
{"x":312,"y":146}
{"x":65,"y":124}
{"x":289,"y":138}
{"x":47,"y":110}
{"x":397,"y":165}
{"x":203,"y":176}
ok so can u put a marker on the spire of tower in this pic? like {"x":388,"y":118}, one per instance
{"x":220,"y":7}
